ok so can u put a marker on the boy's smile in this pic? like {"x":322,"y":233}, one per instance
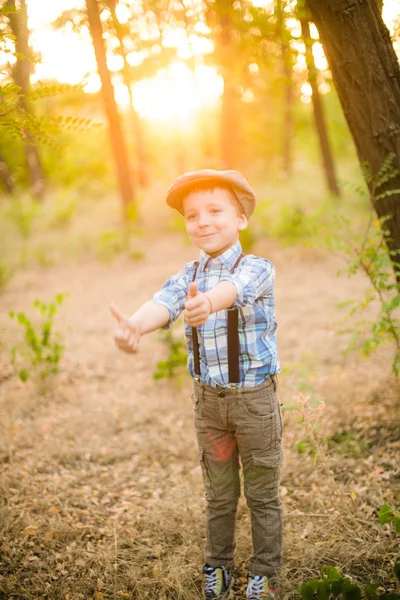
{"x":213,"y":220}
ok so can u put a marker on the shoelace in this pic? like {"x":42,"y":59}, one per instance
{"x":256,"y":589}
{"x":213,"y":578}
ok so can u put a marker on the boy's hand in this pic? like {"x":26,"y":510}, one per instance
{"x":197,"y":307}
{"x":126,"y":333}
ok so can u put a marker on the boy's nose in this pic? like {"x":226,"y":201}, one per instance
{"x":203,"y":220}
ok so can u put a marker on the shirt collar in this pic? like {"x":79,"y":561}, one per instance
{"x":228,"y":258}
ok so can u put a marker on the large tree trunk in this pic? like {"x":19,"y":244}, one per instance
{"x":21,"y":75}
{"x":116,"y":134}
{"x":366,"y":73}
{"x":320,"y":124}
{"x":134,"y":117}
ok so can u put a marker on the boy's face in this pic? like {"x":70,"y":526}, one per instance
{"x":213,"y":220}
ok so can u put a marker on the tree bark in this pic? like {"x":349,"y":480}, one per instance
{"x":287,"y":129}
{"x":21,"y":75}
{"x":366,"y":74}
{"x":134,"y":117}
{"x":6,"y":176}
{"x":116,"y":134}
{"x":320,"y":124}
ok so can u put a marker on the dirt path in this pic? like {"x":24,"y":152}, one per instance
{"x":101,"y":491}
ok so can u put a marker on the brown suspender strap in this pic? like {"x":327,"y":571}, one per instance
{"x":195,"y":340}
{"x":233,"y":338}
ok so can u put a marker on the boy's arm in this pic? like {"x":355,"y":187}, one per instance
{"x":149,"y":317}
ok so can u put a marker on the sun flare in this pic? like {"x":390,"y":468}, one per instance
{"x":175,"y":94}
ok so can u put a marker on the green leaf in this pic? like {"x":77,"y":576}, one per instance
{"x":23,"y":375}
{"x":323,"y":590}
{"x":385,"y":514}
{"x":352,"y":592}
{"x":370,"y":590}
{"x":396,"y":568}
{"x":336,"y":587}
{"x":308,"y":589}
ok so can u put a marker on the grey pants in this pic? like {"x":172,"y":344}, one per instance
{"x":245,"y":423}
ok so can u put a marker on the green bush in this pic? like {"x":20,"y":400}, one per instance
{"x":42,"y":349}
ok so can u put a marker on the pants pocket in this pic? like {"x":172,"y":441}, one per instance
{"x":209,"y":492}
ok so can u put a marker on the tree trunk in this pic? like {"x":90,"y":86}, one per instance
{"x":366,"y":73}
{"x":327,"y":158}
{"x":287,"y":129}
{"x":116,"y":134}
{"x":21,"y":75}
{"x":134,"y":117}
{"x":5,"y":176}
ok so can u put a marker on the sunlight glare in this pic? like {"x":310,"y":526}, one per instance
{"x":177,"y":93}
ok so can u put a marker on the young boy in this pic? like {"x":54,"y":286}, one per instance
{"x":230,"y":328}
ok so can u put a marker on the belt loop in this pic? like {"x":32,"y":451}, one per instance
{"x":275,"y":382}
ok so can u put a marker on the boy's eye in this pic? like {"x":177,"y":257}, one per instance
{"x":215,"y":210}
{"x":189,"y":217}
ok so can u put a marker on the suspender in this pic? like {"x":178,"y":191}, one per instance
{"x":233,"y":339}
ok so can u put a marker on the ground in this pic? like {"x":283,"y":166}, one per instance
{"x":100,"y":491}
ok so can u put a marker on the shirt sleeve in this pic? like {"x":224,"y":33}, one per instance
{"x":172,"y":295}
{"x":253,"y":278}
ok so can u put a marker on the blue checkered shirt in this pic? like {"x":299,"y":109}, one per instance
{"x":254,"y":281}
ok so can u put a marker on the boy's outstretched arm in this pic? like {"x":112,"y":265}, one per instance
{"x":149,"y":317}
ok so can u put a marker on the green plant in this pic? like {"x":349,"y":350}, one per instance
{"x":332,"y":584}
{"x":387,"y":514}
{"x":369,"y":253}
{"x":5,"y":275}
{"x":42,"y":349}
{"x":64,"y":209}
{"x":177,"y":357}
{"x":23,"y":212}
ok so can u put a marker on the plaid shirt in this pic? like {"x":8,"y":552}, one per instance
{"x":254,"y":280}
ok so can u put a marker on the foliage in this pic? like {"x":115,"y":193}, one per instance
{"x":370,"y":254}
{"x":23,"y":212}
{"x":112,"y":243}
{"x":177,"y":357}
{"x":5,"y":275}
{"x":42,"y":349}
{"x":388,"y":514}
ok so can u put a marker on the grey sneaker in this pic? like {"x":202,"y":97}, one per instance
{"x":218,"y":583}
{"x":260,"y":587}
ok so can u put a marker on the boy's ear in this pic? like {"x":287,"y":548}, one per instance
{"x":243,"y":222}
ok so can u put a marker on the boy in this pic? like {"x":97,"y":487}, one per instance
{"x":230,"y":332}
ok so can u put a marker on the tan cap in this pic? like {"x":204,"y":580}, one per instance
{"x":233,"y":180}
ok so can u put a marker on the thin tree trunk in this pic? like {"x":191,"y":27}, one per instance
{"x":21,"y":75}
{"x":134,"y":117}
{"x":287,"y":129}
{"x":116,"y":134}
{"x":5,"y":176}
{"x":327,"y":158}
{"x":366,"y":73}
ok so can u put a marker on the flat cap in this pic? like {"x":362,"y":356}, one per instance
{"x":232,"y":180}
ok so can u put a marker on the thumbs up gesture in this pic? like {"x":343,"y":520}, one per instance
{"x":126,"y":333}
{"x":197,"y":306}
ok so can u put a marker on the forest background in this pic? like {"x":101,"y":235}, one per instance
{"x":103,"y":104}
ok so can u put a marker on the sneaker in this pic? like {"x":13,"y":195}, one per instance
{"x":218,"y":583}
{"x":260,"y":587}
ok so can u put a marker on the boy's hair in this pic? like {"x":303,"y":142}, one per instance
{"x":210,"y":186}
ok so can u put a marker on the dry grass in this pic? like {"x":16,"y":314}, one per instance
{"x":100,"y":490}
